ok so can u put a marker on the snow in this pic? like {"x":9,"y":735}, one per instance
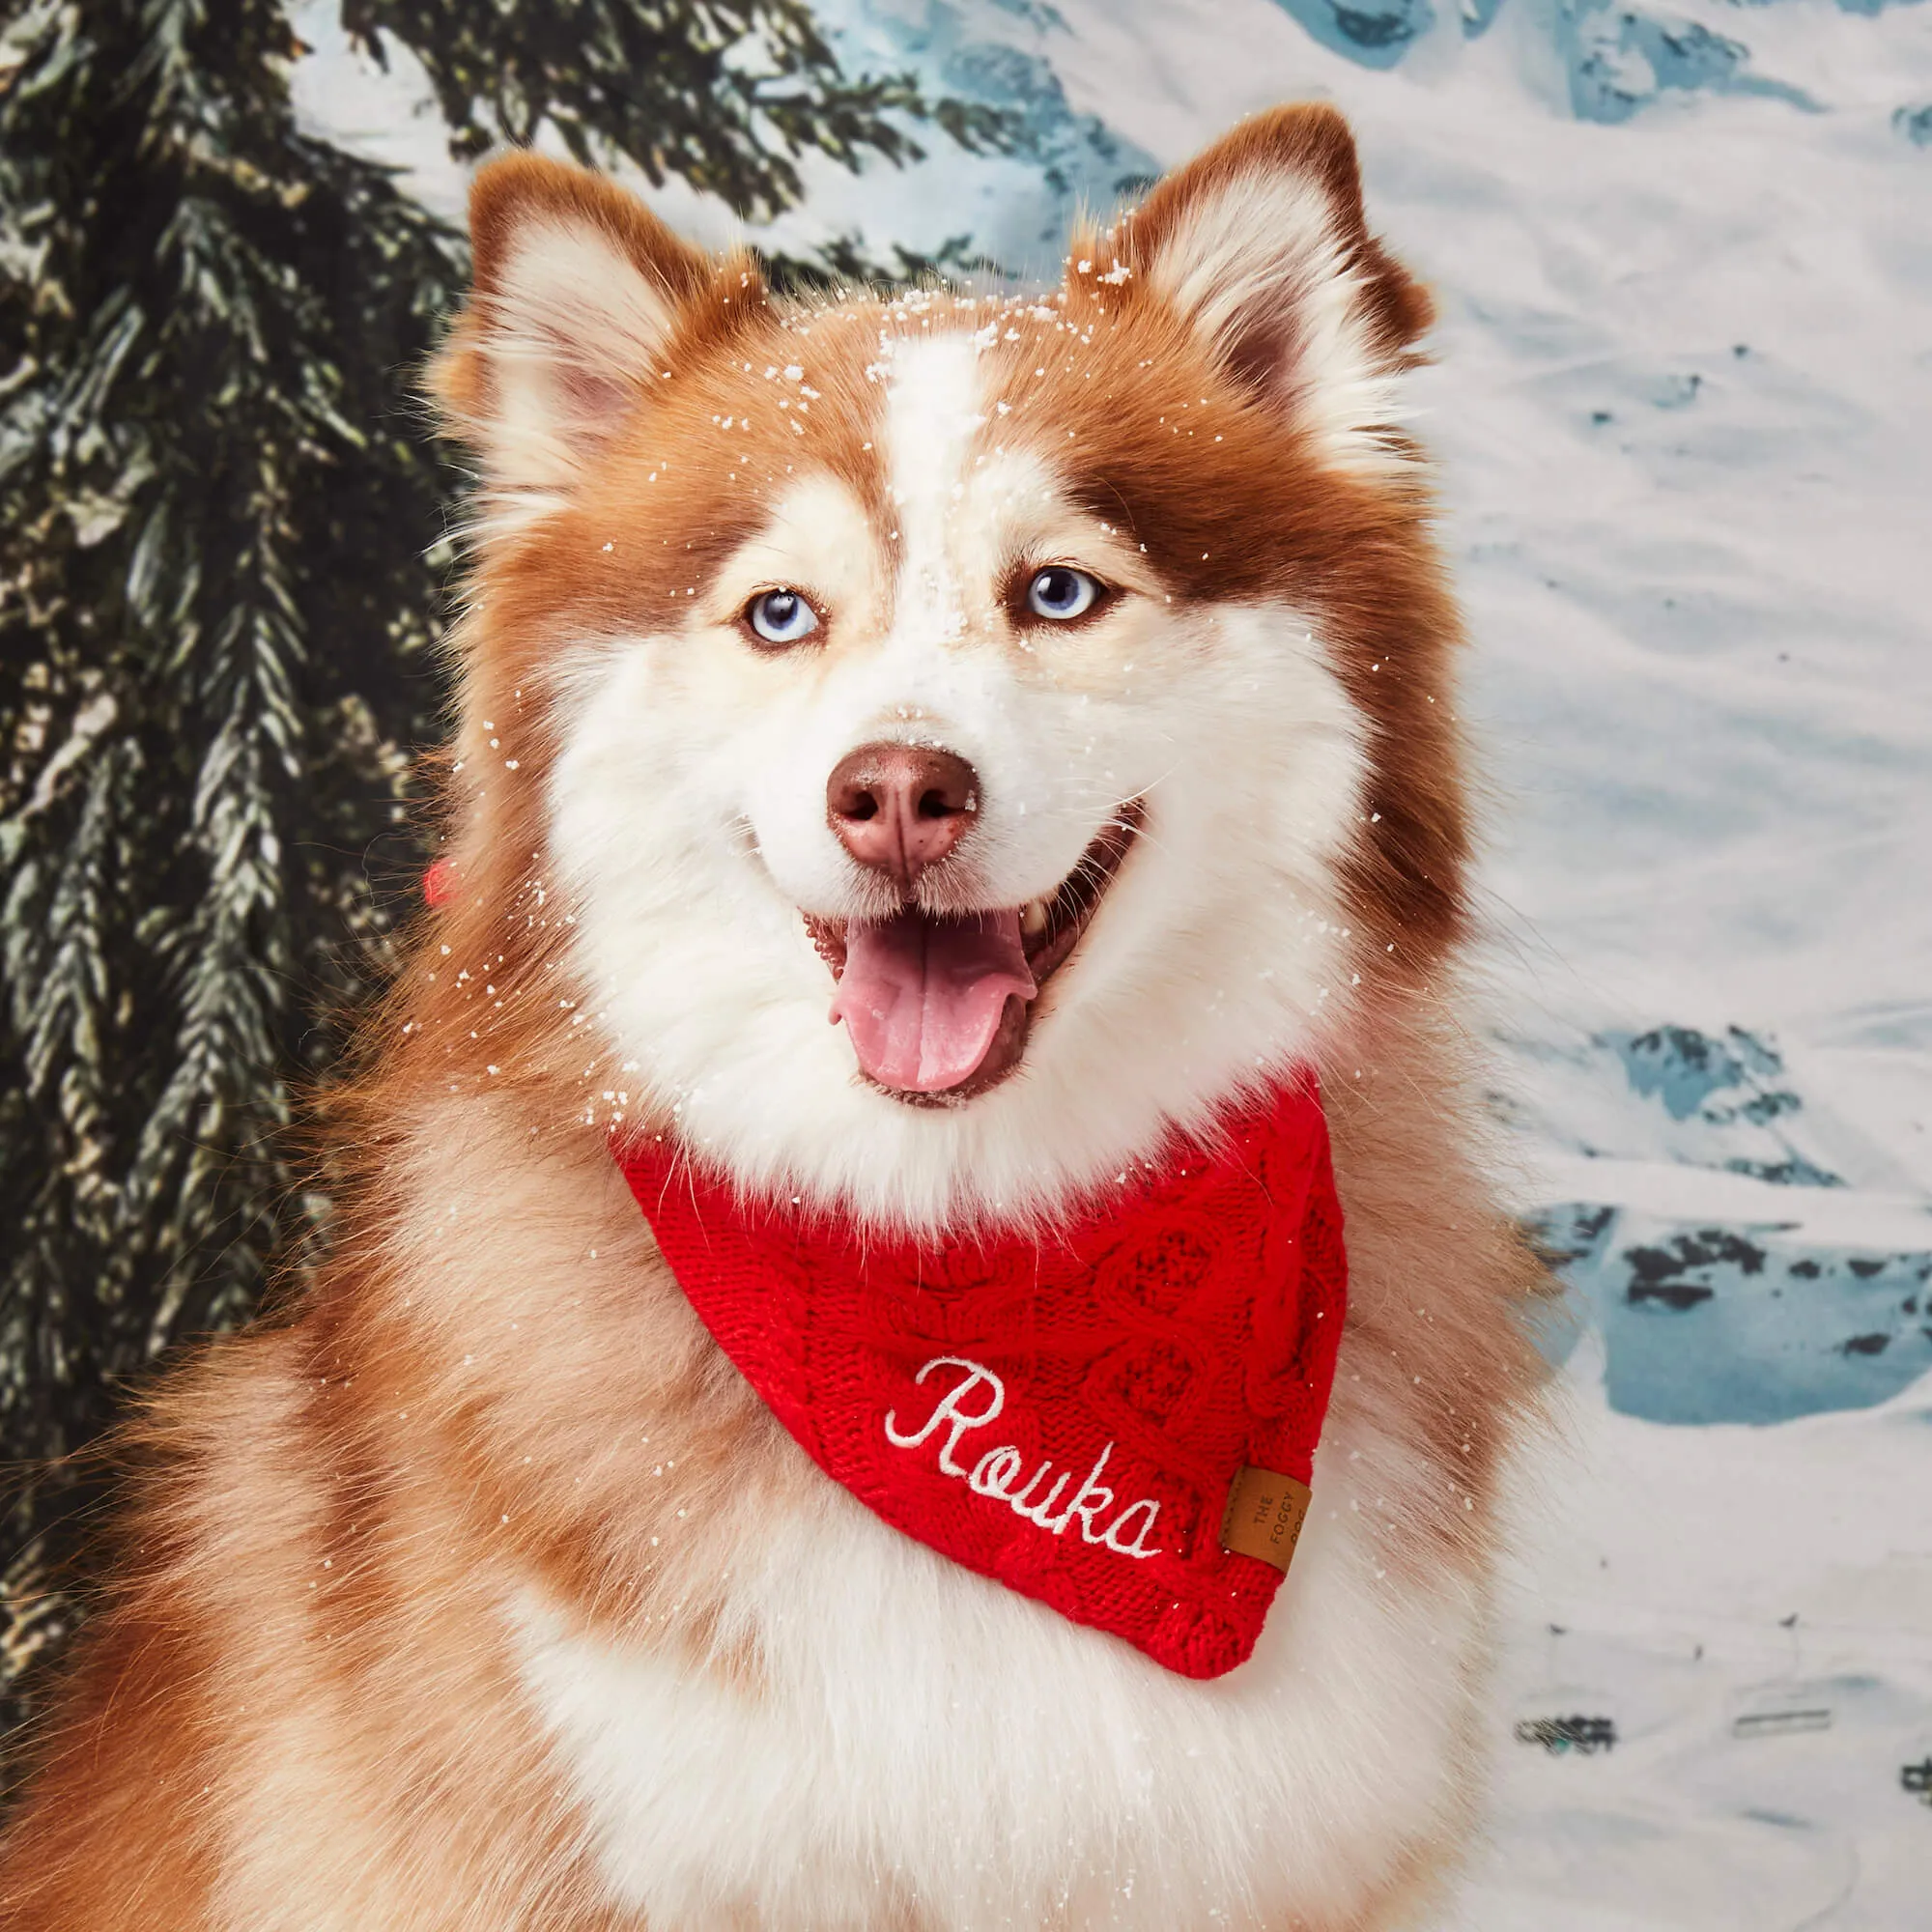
{"x":1684,"y":410}
{"x":1670,"y":1559}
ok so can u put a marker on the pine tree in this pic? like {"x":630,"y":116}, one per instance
{"x":220,"y":566}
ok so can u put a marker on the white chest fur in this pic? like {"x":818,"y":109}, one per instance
{"x":928,"y":1748}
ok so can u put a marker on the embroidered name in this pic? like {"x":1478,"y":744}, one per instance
{"x":977,"y":1400}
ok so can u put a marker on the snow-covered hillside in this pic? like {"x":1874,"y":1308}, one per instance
{"x":1683,"y":408}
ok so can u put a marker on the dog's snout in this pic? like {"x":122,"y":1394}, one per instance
{"x":899,"y":808}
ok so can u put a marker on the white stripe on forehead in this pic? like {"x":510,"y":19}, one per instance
{"x":933,"y":406}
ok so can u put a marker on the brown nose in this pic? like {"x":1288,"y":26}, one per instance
{"x":899,"y":808}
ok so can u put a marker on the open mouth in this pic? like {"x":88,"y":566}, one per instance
{"x":938,"y":1007}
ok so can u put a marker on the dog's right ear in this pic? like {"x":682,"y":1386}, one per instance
{"x":578,"y":290}
{"x":1261,"y":246}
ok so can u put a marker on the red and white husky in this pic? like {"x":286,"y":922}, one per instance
{"x":481,"y":1591}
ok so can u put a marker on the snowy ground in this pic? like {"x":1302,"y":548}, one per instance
{"x":1684,"y":413}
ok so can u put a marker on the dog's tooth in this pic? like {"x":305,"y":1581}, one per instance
{"x":1033,"y":918}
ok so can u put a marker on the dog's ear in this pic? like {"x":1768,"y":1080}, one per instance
{"x":579,"y":292}
{"x":1261,"y":245}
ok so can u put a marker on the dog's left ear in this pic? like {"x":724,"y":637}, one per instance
{"x":1261,"y":246}
{"x":580,"y":294}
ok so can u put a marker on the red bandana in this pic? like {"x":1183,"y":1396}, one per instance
{"x":1091,"y":1418}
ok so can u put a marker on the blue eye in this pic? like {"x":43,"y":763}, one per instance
{"x":780,"y":617}
{"x":1059,"y":592}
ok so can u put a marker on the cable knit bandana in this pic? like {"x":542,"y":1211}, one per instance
{"x":1117,"y":1419}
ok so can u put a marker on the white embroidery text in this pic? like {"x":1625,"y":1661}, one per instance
{"x":973,"y":1402}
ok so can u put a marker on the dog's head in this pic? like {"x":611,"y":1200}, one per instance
{"x":943,"y":741}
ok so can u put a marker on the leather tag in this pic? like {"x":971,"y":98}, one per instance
{"x":1265,"y":1514}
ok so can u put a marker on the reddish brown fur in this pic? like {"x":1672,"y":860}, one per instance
{"x":298,"y":1708}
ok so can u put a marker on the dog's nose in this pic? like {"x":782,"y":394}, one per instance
{"x":899,"y":808}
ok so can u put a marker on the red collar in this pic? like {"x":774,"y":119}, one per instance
{"x":1101,"y":1418}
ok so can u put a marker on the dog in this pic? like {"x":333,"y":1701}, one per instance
{"x":1058,"y":695}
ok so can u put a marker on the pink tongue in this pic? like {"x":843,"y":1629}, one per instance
{"x":922,"y":997}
